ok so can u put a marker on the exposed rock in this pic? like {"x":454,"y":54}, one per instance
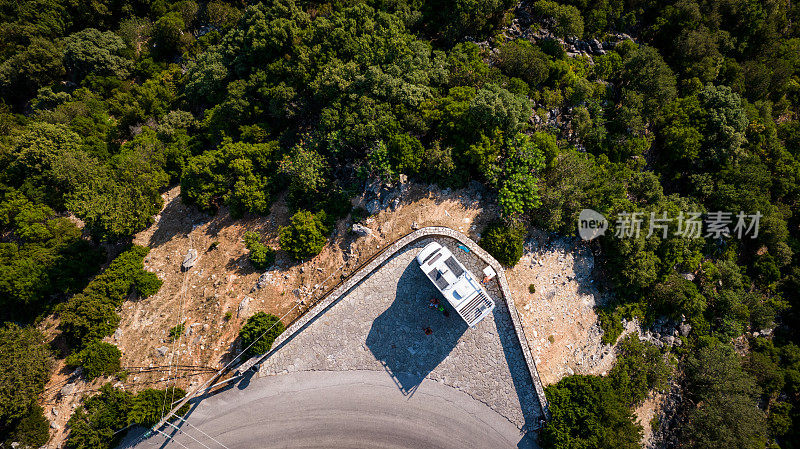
{"x":395,"y":203}
{"x":262,"y":281}
{"x":688,"y":276}
{"x":189,"y":259}
{"x":374,"y":186}
{"x":403,"y":178}
{"x":685,"y":328}
{"x":361,"y":230}
{"x":244,"y":308}
{"x":67,"y":390}
{"x":373,"y":207}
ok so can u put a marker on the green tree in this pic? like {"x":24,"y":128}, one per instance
{"x":236,"y":174}
{"x":704,"y":130}
{"x":586,"y":413}
{"x":523,"y":60}
{"x":47,"y":164}
{"x":406,"y":153}
{"x":147,"y":407}
{"x":517,"y":173}
{"x":97,"y":359}
{"x":260,"y":331}
{"x":91,"y":315}
{"x":22,"y":74}
{"x":307,"y":173}
{"x":93,"y":425}
{"x":305,"y":236}
{"x":726,"y":412}
{"x":640,"y":368}
{"x":93,"y":52}
{"x":168,"y":35}
{"x":25,"y":365}
{"x":33,"y":430}
{"x":563,"y":20}
{"x":504,"y":242}
{"x":455,"y":19}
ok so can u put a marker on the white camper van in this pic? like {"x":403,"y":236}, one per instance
{"x":457,"y":284}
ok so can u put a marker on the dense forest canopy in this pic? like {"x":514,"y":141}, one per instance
{"x":687,"y":106}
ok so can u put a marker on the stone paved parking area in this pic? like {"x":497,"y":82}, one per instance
{"x":378,"y":325}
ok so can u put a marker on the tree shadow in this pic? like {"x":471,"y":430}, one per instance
{"x":241,"y":265}
{"x":175,"y":219}
{"x":397,"y":338}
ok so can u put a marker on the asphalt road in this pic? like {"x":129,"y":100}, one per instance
{"x":340,"y":409}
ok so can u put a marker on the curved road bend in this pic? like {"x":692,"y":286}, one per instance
{"x":341,"y":409}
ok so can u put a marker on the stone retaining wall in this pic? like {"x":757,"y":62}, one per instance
{"x":356,"y":277}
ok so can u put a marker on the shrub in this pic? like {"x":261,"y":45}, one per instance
{"x":531,"y":289}
{"x":406,"y":153}
{"x":91,"y":314}
{"x":148,"y":406}
{"x":33,"y":430}
{"x":640,"y":368}
{"x":305,"y":235}
{"x":504,"y":242}
{"x":97,"y":423}
{"x":261,"y":256}
{"x":97,"y":359}
{"x":93,"y":424}
{"x":176,"y":332}
{"x":611,"y":324}
{"x":147,"y":284}
{"x":257,"y":325}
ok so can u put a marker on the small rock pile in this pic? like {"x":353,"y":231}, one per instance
{"x":379,"y":195}
{"x":665,"y":332}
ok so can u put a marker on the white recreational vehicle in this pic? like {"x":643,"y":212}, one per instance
{"x":457,"y":284}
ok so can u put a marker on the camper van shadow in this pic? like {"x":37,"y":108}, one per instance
{"x":397,"y":338}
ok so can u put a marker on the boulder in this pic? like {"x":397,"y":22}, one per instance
{"x":685,"y":328}
{"x":361,"y":230}
{"x":189,"y":259}
{"x":244,"y":308}
{"x":162,"y":350}
{"x":263,"y":280}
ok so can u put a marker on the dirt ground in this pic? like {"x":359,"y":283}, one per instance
{"x":559,"y":317}
{"x":216,"y":296}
